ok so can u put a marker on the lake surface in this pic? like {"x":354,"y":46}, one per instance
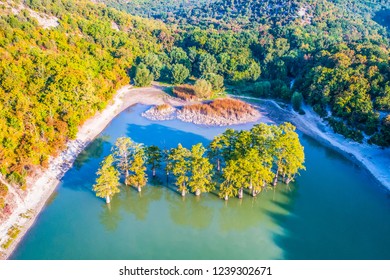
{"x":334,"y":210}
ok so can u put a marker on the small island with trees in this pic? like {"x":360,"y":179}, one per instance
{"x":234,"y":161}
{"x":201,"y":107}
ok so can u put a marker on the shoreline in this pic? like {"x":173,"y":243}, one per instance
{"x":370,"y":157}
{"x":42,"y":188}
{"x":198,"y":117}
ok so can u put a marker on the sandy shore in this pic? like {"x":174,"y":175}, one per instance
{"x":41,"y":188}
{"x":375,"y":159}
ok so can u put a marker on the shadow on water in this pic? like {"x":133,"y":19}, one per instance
{"x":288,"y":239}
{"x":51,"y":198}
{"x":163,"y":136}
{"x":110,"y":215}
{"x":191,"y":211}
{"x":82,"y":177}
{"x":94,"y":150}
{"x":334,"y":211}
{"x":131,"y":202}
{"x":138,"y":203}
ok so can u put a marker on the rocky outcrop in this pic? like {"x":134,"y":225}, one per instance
{"x":197,"y":117}
{"x":160,"y":113}
{"x":221,"y":112}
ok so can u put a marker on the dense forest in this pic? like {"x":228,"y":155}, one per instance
{"x":53,"y":79}
{"x":333,"y":53}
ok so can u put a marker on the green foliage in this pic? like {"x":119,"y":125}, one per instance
{"x":207,"y":64}
{"x":137,"y":176}
{"x":216,"y":81}
{"x":382,"y":138}
{"x":160,"y":9}
{"x":296,"y":101}
{"x":280,"y":90}
{"x":249,"y":157}
{"x":107,"y":182}
{"x":262,"y":89}
{"x":178,"y":158}
{"x":203,"y":89}
{"x":288,"y":152}
{"x":143,"y":76}
{"x":123,"y":151}
{"x":12,"y":234}
{"x":3,"y":190}
{"x":154,"y":157}
{"x":153,"y":63}
{"x":17,"y":178}
{"x":3,"y":195}
{"x":200,"y":179}
{"x":179,"y":73}
{"x":234,"y":160}
{"x":52,"y":80}
{"x":335,"y":52}
{"x":343,"y":129}
{"x":178,"y":56}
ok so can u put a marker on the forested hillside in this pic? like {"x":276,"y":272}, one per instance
{"x":160,"y":9}
{"x":62,"y":60}
{"x":332,"y":52}
{"x":53,"y":78}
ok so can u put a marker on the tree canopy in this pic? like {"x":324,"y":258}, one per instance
{"x":233,"y":161}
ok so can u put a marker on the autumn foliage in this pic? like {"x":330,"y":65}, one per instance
{"x":185,"y":92}
{"x":53,"y":80}
{"x":3,"y":194}
{"x":163,"y":107}
{"x":225,"y":108}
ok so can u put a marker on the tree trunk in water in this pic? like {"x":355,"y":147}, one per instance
{"x":197,"y":193}
{"x":139,"y":189}
{"x":183,"y":193}
{"x":127,"y":173}
{"x":107,"y":199}
{"x":275,"y":181}
{"x":226,"y":198}
{"x":240,"y":193}
{"x":288,"y":180}
{"x":254,"y":192}
{"x":154,"y":172}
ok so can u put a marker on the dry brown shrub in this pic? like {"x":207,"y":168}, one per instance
{"x":162,"y":107}
{"x":225,"y":108}
{"x":3,"y":190}
{"x":185,"y":92}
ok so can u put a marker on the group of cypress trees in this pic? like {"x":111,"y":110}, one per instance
{"x":234,"y":161}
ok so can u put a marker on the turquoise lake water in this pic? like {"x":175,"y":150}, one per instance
{"x":334,"y":210}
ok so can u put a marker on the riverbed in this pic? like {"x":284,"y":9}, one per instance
{"x":334,"y":210}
